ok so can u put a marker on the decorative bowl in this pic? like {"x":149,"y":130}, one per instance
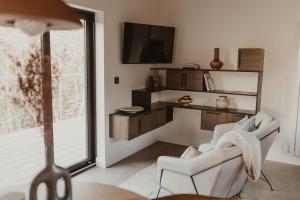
{"x":185,"y":101}
{"x":133,"y":109}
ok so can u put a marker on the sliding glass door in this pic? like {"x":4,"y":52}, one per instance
{"x":73,"y":94}
{"x":21,"y":122}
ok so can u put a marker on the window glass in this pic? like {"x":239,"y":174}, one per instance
{"x":21,"y":134}
{"x":69,"y":96}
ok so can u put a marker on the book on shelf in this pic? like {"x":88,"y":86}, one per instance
{"x":209,"y":82}
{"x":212,"y":85}
{"x":206,"y":82}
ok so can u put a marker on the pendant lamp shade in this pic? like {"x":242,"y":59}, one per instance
{"x":38,"y":14}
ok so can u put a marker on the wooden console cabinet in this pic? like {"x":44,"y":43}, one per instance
{"x":124,"y":127}
{"x":209,"y":119}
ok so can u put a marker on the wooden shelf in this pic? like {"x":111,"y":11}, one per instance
{"x":233,"y":92}
{"x":162,"y":104}
{"x":206,"y":70}
{"x":241,"y":93}
{"x":204,"y":108}
{"x":151,"y":90}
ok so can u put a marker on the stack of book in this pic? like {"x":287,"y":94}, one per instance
{"x":209,"y":82}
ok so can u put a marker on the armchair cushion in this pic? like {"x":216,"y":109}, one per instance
{"x":189,"y":153}
{"x":245,"y":124}
{"x":219,"y":131}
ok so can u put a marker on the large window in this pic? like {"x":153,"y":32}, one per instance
{"x":21,"y":121}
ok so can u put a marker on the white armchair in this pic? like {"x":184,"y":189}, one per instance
{"x":214,"y":173}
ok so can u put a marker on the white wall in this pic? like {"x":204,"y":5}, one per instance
{"x":116,"y":12}
{"x":201,"y":26}
{"x":270,"y":24}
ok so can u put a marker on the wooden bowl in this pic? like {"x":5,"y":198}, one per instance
{"x":185,"y":102}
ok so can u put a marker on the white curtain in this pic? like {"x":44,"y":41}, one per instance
{"x":295,"y":146}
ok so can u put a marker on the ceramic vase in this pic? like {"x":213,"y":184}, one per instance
{"x":222,"y":102}
{"x":216,"y":64}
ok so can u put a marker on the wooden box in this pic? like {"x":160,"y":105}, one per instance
{"x":251,"y":59}
{"x":141,"y":98}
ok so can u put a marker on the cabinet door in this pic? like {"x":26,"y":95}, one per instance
{"x":210,"y":119}
{"x":134,"y":127}
{"x":193,"y":80}
{"x":119,"y":127}
{"x":175,"y":79}
{"x":147,"y":122}
{"x":159,"y":118}
{"x":232,"y":118}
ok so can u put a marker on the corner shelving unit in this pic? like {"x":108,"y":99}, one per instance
{"x":157,"y":114}
{"x":192,"y":80}
{"x":256,"y":94}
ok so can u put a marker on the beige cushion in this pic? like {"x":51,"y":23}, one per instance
{"x":245,"y":125}
{"x":190,"y":153}
{"x":262,"y":119}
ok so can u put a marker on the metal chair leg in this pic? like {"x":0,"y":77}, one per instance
{"x":271,"y":187}
{"x":158,"y":193}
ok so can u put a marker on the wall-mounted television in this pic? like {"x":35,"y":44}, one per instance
{"x":147,"y":44}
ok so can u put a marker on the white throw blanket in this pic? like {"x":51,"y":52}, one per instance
{"x":250,"y":147}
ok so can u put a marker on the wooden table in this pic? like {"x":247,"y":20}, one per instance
{"x":189,"y":197}
{"x":97,"y":191}
{"x":84,"y":191}
{"x":93,"y":191}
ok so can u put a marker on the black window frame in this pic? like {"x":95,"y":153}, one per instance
{"x":89,"y":18}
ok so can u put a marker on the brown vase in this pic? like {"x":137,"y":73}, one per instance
{"x":216,"y":64}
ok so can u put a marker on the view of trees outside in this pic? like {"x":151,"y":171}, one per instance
{"x":21,"y":118}
{"x":20,"y":78}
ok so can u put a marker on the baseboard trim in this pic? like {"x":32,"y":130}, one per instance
{"x":83,"y":170}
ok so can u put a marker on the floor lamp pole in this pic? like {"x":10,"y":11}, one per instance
{"x":52,"y":173}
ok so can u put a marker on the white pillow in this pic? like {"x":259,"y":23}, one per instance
{"x":245,"y":125}
{"x":243,"y":120}
{"x":262,"y":118}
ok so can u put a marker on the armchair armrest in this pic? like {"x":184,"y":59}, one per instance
{"x":191,"y":166}
{"x":173,"y":164}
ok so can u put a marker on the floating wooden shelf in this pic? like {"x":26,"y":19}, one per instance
{"x":204,"y":108}
{"x":162,"y":104}
{"x":233,"y":92}
{"x":206,"y":70}
{"x":160,"y":89}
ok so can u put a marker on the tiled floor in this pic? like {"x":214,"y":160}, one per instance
{"x":285,"y":178}
{"x":124,"y":169}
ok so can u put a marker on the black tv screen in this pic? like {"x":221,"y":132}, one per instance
{"x":147,"y":44}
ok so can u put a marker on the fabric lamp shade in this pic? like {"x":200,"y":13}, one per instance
{"x":33,"y":16}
